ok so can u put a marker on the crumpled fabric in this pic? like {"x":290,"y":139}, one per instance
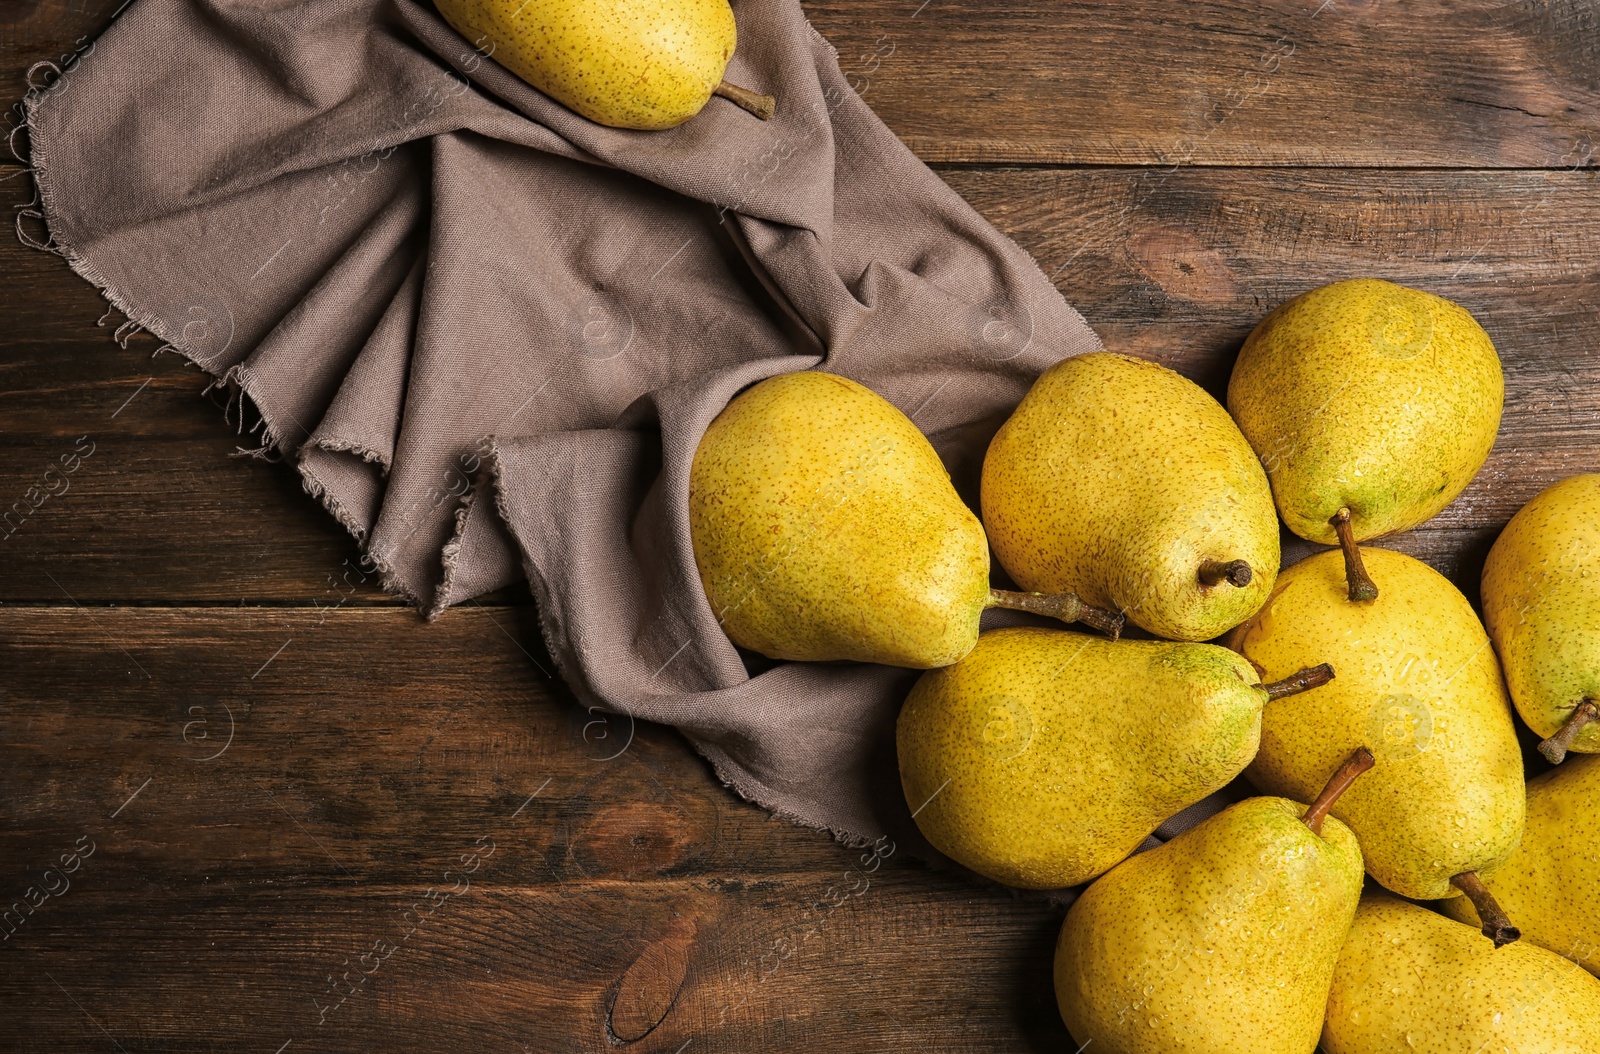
{"x":489,"y":333}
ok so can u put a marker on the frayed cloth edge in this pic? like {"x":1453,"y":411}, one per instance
{"x":234,"y":380}
{"x":730,"y":775}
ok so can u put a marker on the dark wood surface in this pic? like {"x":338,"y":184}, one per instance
{"x":273,"y":767}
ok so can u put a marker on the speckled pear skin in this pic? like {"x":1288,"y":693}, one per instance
{"x":1410,"y":981}
{"x":1115,"y":479}
{"x":825,"y":527}
{"x":1046,"y":756}
{"x":1550,"y":885}
{"x":1367,"y":395}
{"x":1541,"y":601}
{"x":644,"y":64}
{"x":1221,"y":941}
{"x":1417,"y":684}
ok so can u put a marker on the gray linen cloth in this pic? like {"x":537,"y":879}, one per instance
{"x":489,"y":333}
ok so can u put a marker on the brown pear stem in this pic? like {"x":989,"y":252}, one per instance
{"x":1295,"y":683}
{"x":1067,"y":607}
{"x":1234,"y":572}
{"x":763,"y":106}
{"x":1496,"y":926}
{"x":1355,"y":765}
{"x":1355,"y":572}
{"x":1555,"y":748}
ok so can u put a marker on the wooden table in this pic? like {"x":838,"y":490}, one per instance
{"x":273,"y":762}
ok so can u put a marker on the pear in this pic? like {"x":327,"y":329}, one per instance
{"x":1371,"y":398}
{"x":1418,"y":684}
{"x":1549,"y":882}
{"x":825,"y":527}
{"x":1541,"y":601}
{"x":1125,"y":483}
{"x":1045,"y":757}
{"x":1222,"y":940}
{"x":642,"y":64}
{"x":1410,"y":981}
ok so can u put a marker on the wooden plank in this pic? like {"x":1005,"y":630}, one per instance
{"x":376,"y":732}
{"x":1343,"y":82}
{"x":912,"y":963}
{"x":155,"y":518}
{"x":1177,"y":268}
{"x":1301,"y":82}
{"x":211,"y":900}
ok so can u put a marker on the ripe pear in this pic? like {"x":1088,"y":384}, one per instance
{"x":642,"y":64}
{"x":1410,"y":981}
{"x":825,"y":527}
{"x":1368,"y":397}
{"x":1046,"y":756}
{"x":1125,"y":483}
{"x":1541,"y":601}
{"x":1549,"y":882}
{"x":1222,"y":940}
{"x":1418,"y":684}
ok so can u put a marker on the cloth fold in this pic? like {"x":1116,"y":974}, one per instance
{"x":489,"y":333}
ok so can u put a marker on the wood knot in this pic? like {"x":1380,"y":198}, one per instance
{"x":1182,"y":265}
{"x":633,"y":839}
{"x":650,"y":986}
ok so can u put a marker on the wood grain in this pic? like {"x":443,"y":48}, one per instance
{"x":618,"y":895}
{"x":1218,"y":82}
{"x":374,"y":730}
{"x":1302,"y":82}
{"x":508,"y":966}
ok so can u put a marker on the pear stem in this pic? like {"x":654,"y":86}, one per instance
{"x":1234,"y":572}
{"x":1496,"y":926}
{"x":763,"y":106}
{"x":1355,"y":572}
{"x":1555,"y":748}
{"x":1295,"y":683}
{"x":1359,"y":762}
{"x":1067,"y":607}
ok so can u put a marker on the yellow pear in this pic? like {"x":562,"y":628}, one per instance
{"x":1410,"y":981}
{"x":1549,"y":884}
{"x":825,"y":527}
{"x":1221,"y":941}
{"x":1419,"y":685}
{"x":1541,"y":601}
{"x":1125,"y":483}
{"x":1045,"y":757}
{"x":1368,"y":397}
{"x":642,"y":64}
